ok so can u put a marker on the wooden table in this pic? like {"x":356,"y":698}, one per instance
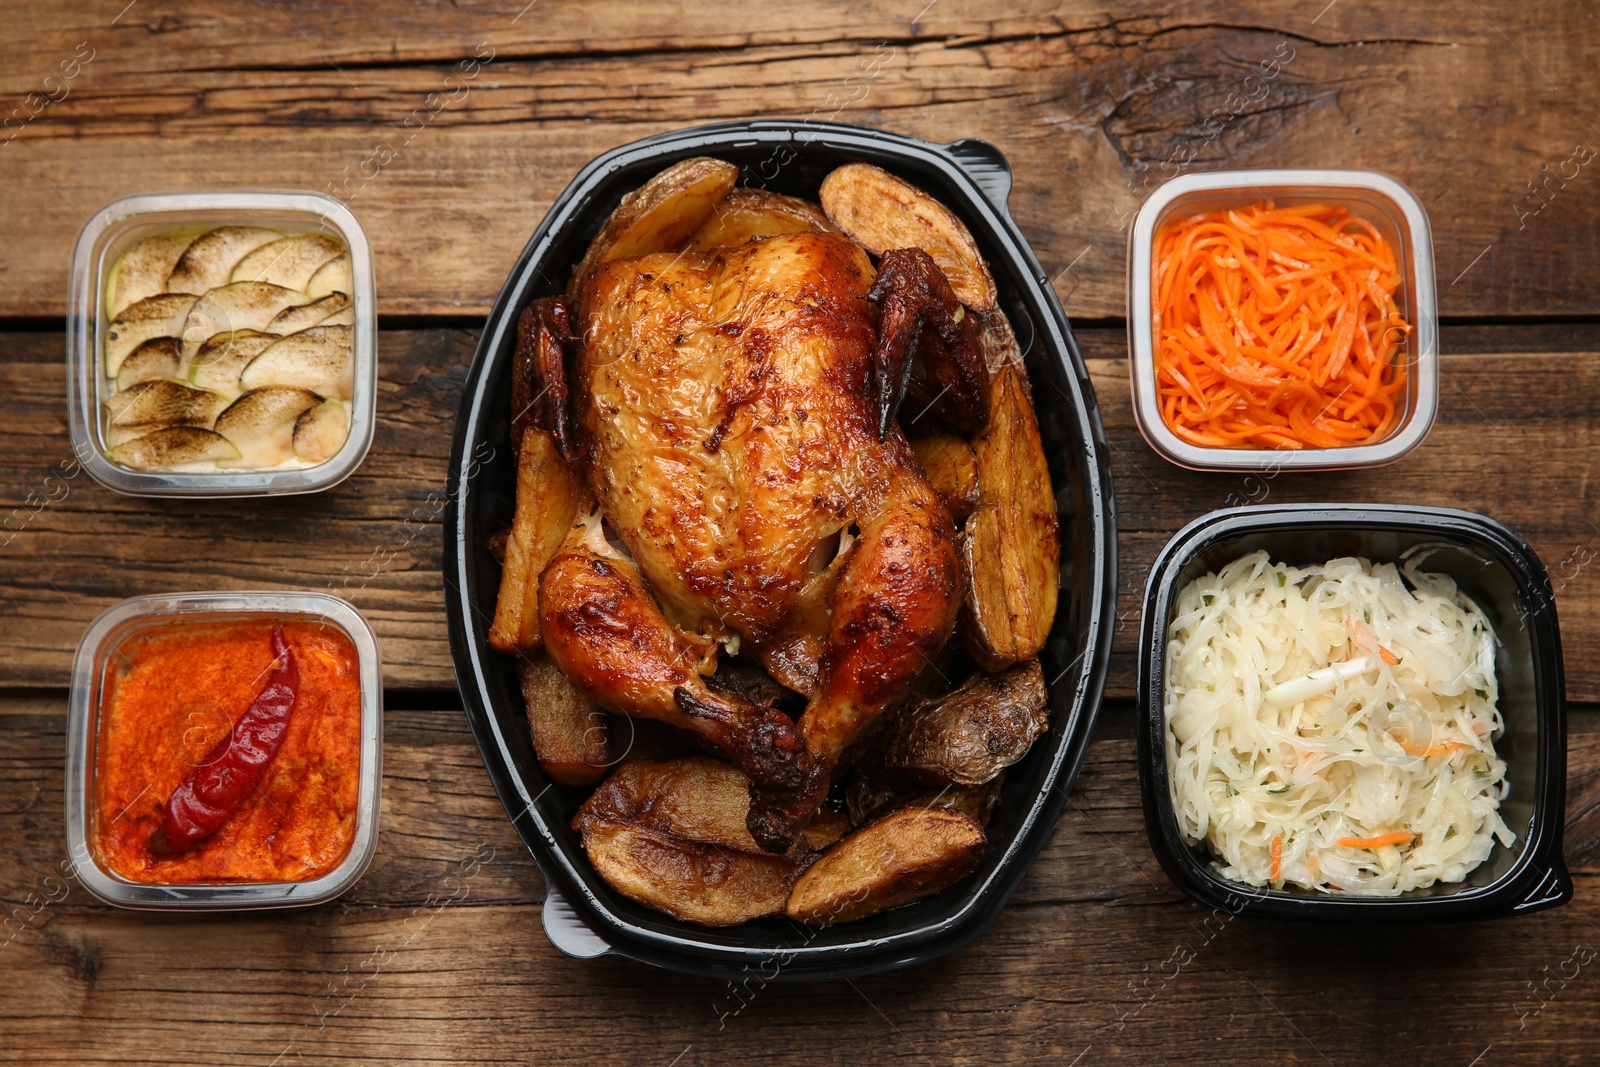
{"x":1466,"y":102}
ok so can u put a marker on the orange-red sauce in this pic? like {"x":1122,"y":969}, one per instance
{"x":171,"y":692}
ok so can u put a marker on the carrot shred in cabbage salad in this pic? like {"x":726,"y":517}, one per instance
{"x":1277,"y":328}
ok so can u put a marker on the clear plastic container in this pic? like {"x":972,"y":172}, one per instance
{"x":120,"y":225}
{"x":1397,"y":215}
{"x":110,"y":632}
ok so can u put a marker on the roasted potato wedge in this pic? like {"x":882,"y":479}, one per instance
{"x":905,"y":856}
{"x":696,"y":798}
{"x":825,"y":828}
{"x":880,"y":212}
{"x":976,"y":802}
{"x":967,"y":736}
{"x":659,"y":215}
{"x":952,"y":470}
{"x":1010,"y":546}
{"x":571,"y":737}
{"x":672,"y":836}
{"x":750,"y":214}
{"x":547,"y":501}
{"x":700,"y":883}
{"x":984,"y":625}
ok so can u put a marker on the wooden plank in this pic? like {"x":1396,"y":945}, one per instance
{"x":1094,"y":111}
{"x":1515,"y":439}
{"x":1098,"y":957}
{"x":303,"y":35}
{"x":71,"y":548}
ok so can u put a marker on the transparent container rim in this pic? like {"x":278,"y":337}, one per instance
{"x":1141,"y":361}
{"x":81,"y":732}
{"x":86,"y":292}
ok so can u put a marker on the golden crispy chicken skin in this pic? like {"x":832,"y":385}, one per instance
{"x":726,"y":421}
{"x":604,"y":630}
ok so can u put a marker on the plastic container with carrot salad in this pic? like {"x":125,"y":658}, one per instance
{"x":223,"y":751}
{"x":1282,"y":319}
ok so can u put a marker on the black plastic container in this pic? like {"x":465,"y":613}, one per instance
{"x":1489,"y":563}
{"x":973,"y":180}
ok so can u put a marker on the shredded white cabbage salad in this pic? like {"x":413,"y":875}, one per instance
{"x":1333,"y":727}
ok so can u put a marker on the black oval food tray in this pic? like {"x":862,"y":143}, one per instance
{"x":973,"y":180}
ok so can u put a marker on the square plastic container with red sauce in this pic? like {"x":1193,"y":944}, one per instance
{"x":295,"y":822}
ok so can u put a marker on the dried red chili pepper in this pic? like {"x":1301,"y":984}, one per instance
{"x":210,"y":794}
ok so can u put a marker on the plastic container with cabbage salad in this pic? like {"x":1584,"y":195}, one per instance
{"x":1504,"y":577}
{"x":121,"y":224}
{"x":1397,"y":215}
{"x":107,"y":653}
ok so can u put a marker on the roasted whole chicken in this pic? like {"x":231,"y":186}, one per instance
{"x":713,"y":416}
{"x":732,"y":412}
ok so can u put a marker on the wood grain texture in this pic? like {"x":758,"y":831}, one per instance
{"x":432,"y":959}
{"x":72,"y":547}
{"x":1094,"y":108}
{"x":1516,"y":439}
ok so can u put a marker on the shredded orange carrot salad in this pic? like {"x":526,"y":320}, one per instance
{"x":1277,"y":328}
{"x":1399,"y":837}
{"x":1277,"y":858}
